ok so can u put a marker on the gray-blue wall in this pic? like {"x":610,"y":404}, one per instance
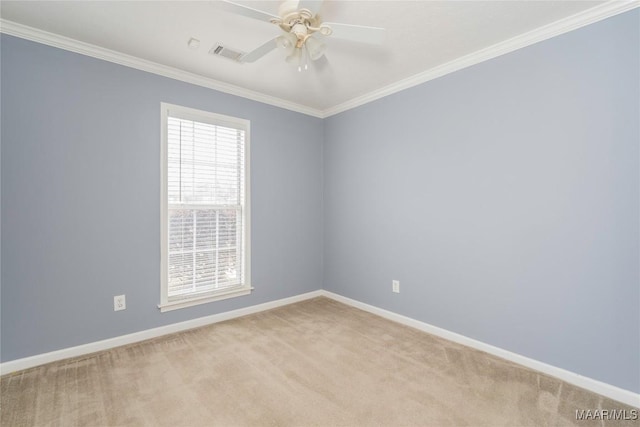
{"x":504,"y":197}
{"x":81,"y":198}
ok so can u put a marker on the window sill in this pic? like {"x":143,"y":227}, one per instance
{"x":231,"y":293}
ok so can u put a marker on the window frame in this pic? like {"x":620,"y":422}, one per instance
{"x":177,"y":111}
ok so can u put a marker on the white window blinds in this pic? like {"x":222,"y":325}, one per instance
{"x":206,"y":213}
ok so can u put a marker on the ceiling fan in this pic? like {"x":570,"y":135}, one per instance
{"x":304,"y":31}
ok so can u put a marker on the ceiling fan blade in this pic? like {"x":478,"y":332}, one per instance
{"x":249,"y":12}
{"x":312,"y":5}
{"x":358,"y":33}
{"x":260,"y":51}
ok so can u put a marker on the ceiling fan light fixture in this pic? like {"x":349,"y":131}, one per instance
{"x":304,"y":59}
{"x":286,"y":41}
{"x":315,"y":48}
{"x":295,"y":56}
{"x":299,"y":57}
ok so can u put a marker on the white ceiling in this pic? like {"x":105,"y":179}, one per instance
{"x":421,"y":35}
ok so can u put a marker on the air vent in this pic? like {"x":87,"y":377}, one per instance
{"x":226,"y":52}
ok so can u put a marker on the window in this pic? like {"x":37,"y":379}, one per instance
{"x":204,"y":207}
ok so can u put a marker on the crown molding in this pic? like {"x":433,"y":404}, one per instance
{"x":33,"y":34}
{"x":589,"y":16}
{"x":584,"y":18}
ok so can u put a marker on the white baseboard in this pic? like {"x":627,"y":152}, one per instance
{"x":608,"y":390}
{"x":65,"y":353}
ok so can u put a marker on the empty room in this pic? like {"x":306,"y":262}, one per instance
{"x":320,"y":213}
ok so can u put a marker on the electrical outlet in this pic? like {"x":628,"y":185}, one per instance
{"x":119,"y":303}
{"x":395,"y":286}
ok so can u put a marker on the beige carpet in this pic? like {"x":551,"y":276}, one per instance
{"x":314,"y":363}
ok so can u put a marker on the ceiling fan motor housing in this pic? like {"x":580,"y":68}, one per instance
{"x":301,"y":32}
